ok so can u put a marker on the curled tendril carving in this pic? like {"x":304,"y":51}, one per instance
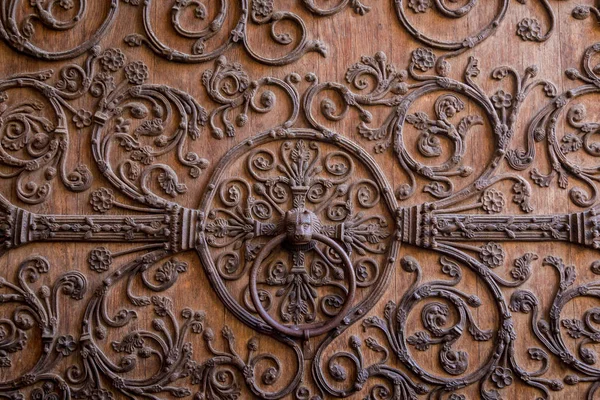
{"x":259,"y":12}
{"x":230,"y":86}
{"x":584,"y":12}
{"x":440,"y":296}
{"x":146,"y":121}
{"x":392,"y":90}
{"x":543,"y":128}
{"x":528,"y":29}
{"x":213,"y":32}
{"x":552,"y":330}
{"x":168,"y":342}
{"x":34,"y":134}
{"x":18,"y":32}
{"x":298,"y":229}
{"x":37,"y":308}
{"x":356,"y":5}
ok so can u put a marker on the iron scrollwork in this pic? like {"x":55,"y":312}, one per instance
{"x":298,"y":228}
{"x":259,"y":12}
{"x":19,"y":31}
{"x":214,"y":32}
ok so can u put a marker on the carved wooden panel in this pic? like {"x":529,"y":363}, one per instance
{"x":315,"y":199}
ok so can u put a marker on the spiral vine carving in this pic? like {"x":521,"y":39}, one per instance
{"x":306,"y":234}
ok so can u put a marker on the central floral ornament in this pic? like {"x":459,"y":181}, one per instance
{"x":295,"y":225}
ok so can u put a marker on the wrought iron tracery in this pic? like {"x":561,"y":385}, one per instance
{"x":302,"y":218}
{"x":211,"y":37}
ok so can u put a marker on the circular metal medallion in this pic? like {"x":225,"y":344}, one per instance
{"x":296,"y":233}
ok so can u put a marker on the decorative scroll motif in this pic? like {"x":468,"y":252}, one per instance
{"x":230,"y":24}
{"x":543,"y":128}
{"x":18,"y":31}
{"x":169,"y":344}
{"x":146,"y":121}
{"x":259,"y":12}
{"x":37,"y":311}
{"x":298,"y":228}
{"x":31,"y":145}
{"x":528,"y":29}
{"x":391,"y":90}
{"x":547,"y":328}
{"x":583,"y":12}
{"x":34,"y":148}
{"x":244,"y":94}
{"x":496,"y":373}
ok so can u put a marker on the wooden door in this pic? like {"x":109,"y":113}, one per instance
{"x":310,"y":199}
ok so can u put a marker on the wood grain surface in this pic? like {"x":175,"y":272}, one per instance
{"x":321,"y":199}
